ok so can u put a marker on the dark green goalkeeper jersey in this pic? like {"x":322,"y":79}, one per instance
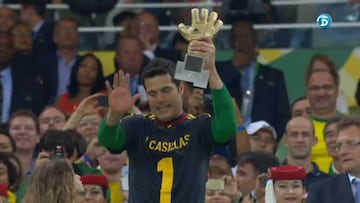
{"x":168,"y":162}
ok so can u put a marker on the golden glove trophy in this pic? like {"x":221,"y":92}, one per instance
{"x":192,"y":69}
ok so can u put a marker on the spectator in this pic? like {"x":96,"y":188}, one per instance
{"x":33,"y":13}
{"x":51,"y":118}
{"x":343,"y":187}
{"x":330,"y":133}
{"x":114,"y":167}
{"x":8,"y":169}
{"x":130,"y":59}
{"x":86,"y":78}
{"x":7,"y":18}
{"x":19,"y":173}
{"x":320,"y":62}
{"x":300,"y":139}
{"x":24,"y":128}
{"x":22,"y":38}
{"x":262,"y":137}
{"x":249,"y":167}
{"x":53,"y":181}
{"x":7,"y":143}
{"x":14,"y":79}
{"x":220,"y":172}
{"x":250,"y":82}
{"x":147,"y":29}
{"x":322,"y":87}
{"x":58,"y":66}
{"x":95,"y":187}
{"x":88,"y":126}
{"x":300,"y":107}
{"x":286,"y":184}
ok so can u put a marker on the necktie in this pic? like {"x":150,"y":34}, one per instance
{"x":357,"y":190}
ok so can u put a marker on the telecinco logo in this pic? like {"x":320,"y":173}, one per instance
{"x":324,"y":21}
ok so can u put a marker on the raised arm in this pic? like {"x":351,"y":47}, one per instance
{"x":223,"y":125}
{"x":110,"y":134}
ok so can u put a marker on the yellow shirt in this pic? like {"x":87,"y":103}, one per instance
{"x":319,"y":152}
{"x":11,"y":197}
{"x":115,"y":192}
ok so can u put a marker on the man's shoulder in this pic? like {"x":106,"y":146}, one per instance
{"x":331,"y":181}
{"x":269,"y":69}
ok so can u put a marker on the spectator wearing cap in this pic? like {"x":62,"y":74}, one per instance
{"x":262,"y":136}
{"x":300,"y":139}
{"x":96,"y":187}
{"x":286,"y":184}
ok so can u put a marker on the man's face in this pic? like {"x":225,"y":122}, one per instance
{"x":263,"y":140}
{"x":349,"y":139}
{"x":129,"y":55}
{"x":301,"y":108}
{"x":246,"y":178}
{"x":51,"y":118}
{"x":88,"y":126}
{"x":300,"y":137}
{"x":23,"y":130}
{"x":66,"y":35}
{"x":165,"y":98}
{"x":330,"y":139}
{"x":22,"y":38}
{"x":214,"y":196}
{"x":243,"y":38}
{"x":6,"y":48}
{"x":147,"y":28}
{"x":7,"y":19}
{"x":322,"y":92}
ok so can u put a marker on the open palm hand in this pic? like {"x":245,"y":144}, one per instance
{"x":120,"y":99}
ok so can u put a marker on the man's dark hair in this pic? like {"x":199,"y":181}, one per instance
{"x":348,"y":121}
{"x":38,"y":5}
{"x":296,"y":101}
{"x":53,"y":138}
{"x":246,"y":22}
{"x":63,"y":19}
{"x":157,"y":67}
{"x":331,"y":121}
{"x":261,"y":161}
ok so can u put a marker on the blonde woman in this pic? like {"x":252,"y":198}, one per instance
{"x":51,"y":182}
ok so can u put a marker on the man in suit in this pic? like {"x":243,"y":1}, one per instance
{"x":56,"y":67}
{"x":260,"y":91}
{"x":19,"y":88}
{"x":130,"y":59}
{"x":147,"y":29}
{"x":345,"y":186}
{"x":33,"y":13}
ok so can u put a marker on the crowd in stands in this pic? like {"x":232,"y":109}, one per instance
{"x":53,"y":104}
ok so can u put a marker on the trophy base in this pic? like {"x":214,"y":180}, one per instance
{"x":192,"y":70}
